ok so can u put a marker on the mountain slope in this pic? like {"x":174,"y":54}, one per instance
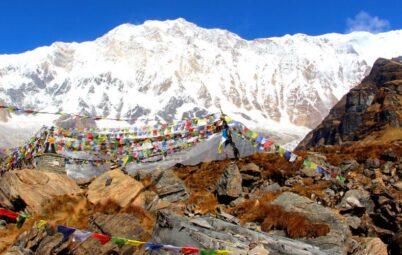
{"x":370,"y":112}
{"x":169,"y":69}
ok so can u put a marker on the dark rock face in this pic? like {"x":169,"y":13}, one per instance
{"x":371,"y":107}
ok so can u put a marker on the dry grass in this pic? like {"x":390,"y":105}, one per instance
{"x":272,"y":217}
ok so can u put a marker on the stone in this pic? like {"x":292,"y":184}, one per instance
{"x":258,"y":250}
{"x":30,"y":190}
{"x":389,"y":155}
{"x":167,"y":185}
{"x":348,"y":165}
{"x":122,"y":189}
{"x":372,"y":163}
{"x":371,"y":246}
{"x":177,"y":230}
{"x":336,"y":241}
{"x":398,"y":185}
{"x":386,"y":168}
{"x":353,"y":221}
{"x":121,"y":224}
{"x":229,"y":185}
{"x":271,"y":188}
{"x":250,"y":173}
{"x":368,"y":172}
{"x":356,"y":199}
{"x":15,"y":250}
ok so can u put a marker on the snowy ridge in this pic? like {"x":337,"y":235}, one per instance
{"x":170,"y":69}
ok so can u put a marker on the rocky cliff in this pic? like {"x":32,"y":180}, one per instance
{"x":370,"y":112}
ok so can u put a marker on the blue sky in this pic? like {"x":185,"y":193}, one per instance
{"x":27,"y":24}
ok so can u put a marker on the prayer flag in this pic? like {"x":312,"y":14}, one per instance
{"x":80,"y":235}
{"x":66,"y":231}
{"x":119,"y":241}
{"x":190,"y":250}
{"x":102,"y":238}
{"x":21,"y":219}
{"x":134,"y":242}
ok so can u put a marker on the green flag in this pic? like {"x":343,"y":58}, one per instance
{"x":119,"y":241}
{"x":21,"y":219}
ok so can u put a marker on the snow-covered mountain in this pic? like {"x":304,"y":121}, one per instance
{"x":167,"y":69}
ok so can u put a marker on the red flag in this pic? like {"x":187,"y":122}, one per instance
{"x":267,"y":144}
{"x":190,"y":250}
{"x":9,"y":214}
{"x":102,"y":238}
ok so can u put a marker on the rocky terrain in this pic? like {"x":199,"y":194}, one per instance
{"x":260,"y":204}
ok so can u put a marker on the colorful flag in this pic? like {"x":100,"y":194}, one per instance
{"x":66,"y":231}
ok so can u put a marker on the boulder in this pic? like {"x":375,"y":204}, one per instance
{"x":218,"y":234}
{"x":355,"y":199}
{"x":117,"y":187}
{"x":348,"y":165}
{"x":29,"y":190}
{"x":336,"y":241}
{"x":389,"y":155}
{"x":250,"y":173}
{"x":167,"y":185}
{"x":120,"y":225}
{"x":371,"y":246}
{"x":230,"y":184}
{"x":372,"y":163}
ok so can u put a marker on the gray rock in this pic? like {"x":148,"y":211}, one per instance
{"x":372,"y":163}
{"x":368,"y":172}
{"x":353,"y":221}
{"x":386,"y":168}
{"x":356,"y":199}
{"x":176,"y":230}
{"x":229,"y":186}
{"x":389,"y":155}
{"x":348,"y":165}
{"x":169,"y":187}
{"x":273,"y":187}
{"x":336,"y":241}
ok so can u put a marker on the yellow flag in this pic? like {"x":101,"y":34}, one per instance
{"x":313,"y":165}
{"x":134,"y":242}
{"x":255,"y":135}
{"x":222,"y":252}
{"x":41,"y":223}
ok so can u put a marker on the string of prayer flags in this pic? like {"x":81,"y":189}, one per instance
{"x":82,"y":235}
{"x":264,"y":143}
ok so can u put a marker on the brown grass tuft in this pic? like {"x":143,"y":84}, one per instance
{"x":295,"y":224}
